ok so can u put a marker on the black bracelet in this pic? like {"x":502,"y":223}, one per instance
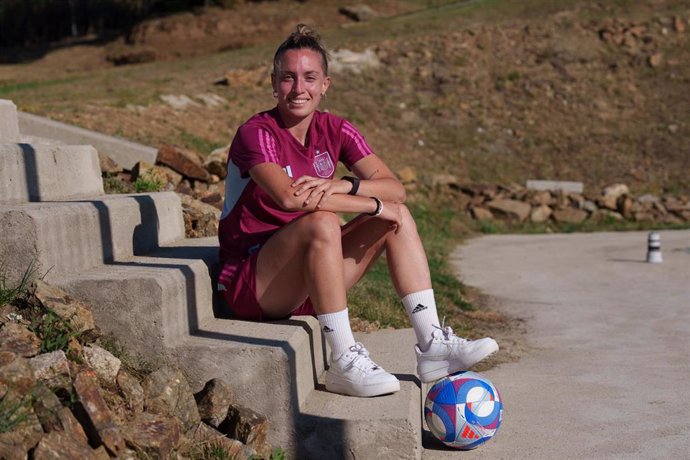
{"x":379,"y":207}
{"x":355,"y":184}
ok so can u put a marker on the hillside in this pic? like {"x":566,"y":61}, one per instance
{"x":489,"y":91}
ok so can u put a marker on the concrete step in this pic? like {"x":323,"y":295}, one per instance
{"x":44,"y":172}
{"x":9,"y":126}
{"x":336,"y":426}
{"x":124,"y":152}
{"x":75,"y":236}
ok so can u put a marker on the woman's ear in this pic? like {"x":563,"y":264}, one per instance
{"x":326,"y":84}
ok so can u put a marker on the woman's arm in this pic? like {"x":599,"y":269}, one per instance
{"x":279,"y":186}
{"x":376,"y":180}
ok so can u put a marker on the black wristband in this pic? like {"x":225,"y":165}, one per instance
{"x":379,"y":207}
{"x":355,"y":184}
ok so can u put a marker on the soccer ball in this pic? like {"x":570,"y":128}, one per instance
{"x":463,"y":410}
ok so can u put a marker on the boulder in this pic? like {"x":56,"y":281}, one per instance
{"x":512,"y":209}
{"x":482,"y":214}
{"x":570,"y":216}
{"x":167,"y":392}
{"x":540,"y":213}
{"x":217,"y":162}
{"x":185,"y":162}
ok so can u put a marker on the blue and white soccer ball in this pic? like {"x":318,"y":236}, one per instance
{"x":463,"y":410}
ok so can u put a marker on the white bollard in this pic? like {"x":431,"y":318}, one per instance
{"x":654,"y":248}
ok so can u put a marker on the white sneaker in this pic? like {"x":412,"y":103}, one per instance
{"x":355,"y":374}
{"x":449,"y":353}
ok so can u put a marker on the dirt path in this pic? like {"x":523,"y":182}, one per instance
{"x":608,"y":373}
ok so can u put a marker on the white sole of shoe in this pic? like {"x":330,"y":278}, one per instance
{"x":337,"y":384}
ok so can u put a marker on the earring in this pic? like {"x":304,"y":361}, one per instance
{"x":275,"y":93}
{"x":323,"y":95}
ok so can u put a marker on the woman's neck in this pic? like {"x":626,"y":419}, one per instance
{"x":299,"y":128}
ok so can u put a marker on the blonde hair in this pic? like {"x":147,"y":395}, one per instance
{"x":303,"y":37}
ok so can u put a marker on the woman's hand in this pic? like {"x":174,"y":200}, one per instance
{"x":391,"y":212}
{"x":319,"y":189}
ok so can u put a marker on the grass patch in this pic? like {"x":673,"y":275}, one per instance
{"x":147,"y":184}
{"x":11,"y":88}
{"x":55,"y":333}
{"x":9,"y":294}
{"x":113,"y":185}
{"x":199,"y":144}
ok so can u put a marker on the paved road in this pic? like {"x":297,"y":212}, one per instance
{"x":609,"y":374}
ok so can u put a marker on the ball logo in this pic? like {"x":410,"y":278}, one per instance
{"x":323,"y":165}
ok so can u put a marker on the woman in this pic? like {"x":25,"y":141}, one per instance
{"x":281,"y":244}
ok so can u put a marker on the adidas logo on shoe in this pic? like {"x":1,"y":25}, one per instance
{"x":419,"y":308}
{"x":327,"y":329}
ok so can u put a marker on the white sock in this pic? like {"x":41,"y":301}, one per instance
{"x":336,"y":328}
{"x":421,"y":308}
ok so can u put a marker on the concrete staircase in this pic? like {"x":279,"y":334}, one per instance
{"x":128,"y":258}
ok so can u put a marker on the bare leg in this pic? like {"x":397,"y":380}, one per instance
{"x":313,"y":257}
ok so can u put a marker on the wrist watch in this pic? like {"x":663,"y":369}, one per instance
{"x":355,"y":184}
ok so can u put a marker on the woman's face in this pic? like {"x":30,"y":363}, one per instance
{"x":299,"y":83}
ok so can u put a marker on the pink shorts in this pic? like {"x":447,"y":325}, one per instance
{"x":239,"y":279}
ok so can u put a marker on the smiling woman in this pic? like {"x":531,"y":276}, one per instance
{"x":281,"y":244}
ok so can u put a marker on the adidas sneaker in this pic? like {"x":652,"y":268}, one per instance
{"x":448,"y":353}
{"x":355,"y":374}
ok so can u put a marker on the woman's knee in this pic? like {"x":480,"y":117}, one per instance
{"x":321,"y":226}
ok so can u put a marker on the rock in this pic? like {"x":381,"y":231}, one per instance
{"x":589,"y":206}
{"x":511,"y":208}
{"x":131,"y":390}
{"x":655,"y":60}
{"x":609,"y":202}
{"x":540,"y":213}
{"x":16,"y":372}
{"x":167,"y":392}
{"x":442,"y":180}
{"x":19,"y":339}
{"x":615,"y":190}
{"x":217,"y":162}
{"x":161,"y":174}
{"x":186,"y":162}
{"x":108,"y":165}
{"x":248,"y":427}
{"x":73,"y":311}
{"x":678,"y":24}
{"x":482,"y":214}
{"x":213,"y":402}
{"x":624,"y":206}
{"x":178,"y":102}
{"x":22,"y":435}
{"x":46,"y":406}
{"x":215,"y":199}
{"x":605,"y":215}
{"x":53,"y":369}
{"x":94,"y":414}
{"x":345,"y":60}
{"x":154,"y":434}
{"x":540,"y":198}
{"x":60,"y":444}
{"x":102,"y":362}
{"x":358,"y":12}
{"x":200,"y":219}
{"x":406,"y":175}
{"x":570,"y":216}
{"x":206,"y":435}
{"x":480,"y":190}
{"x":211,"y":99}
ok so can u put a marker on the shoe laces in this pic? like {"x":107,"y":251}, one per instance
{"x":447,"y":333}
{"x":361,"y":355}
